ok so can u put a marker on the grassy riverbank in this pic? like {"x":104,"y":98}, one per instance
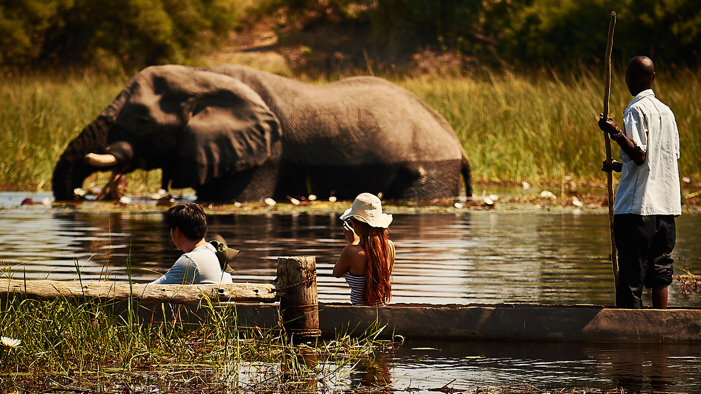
{"x":63,"y":346}
{"x":41,"y":115}
{"x":539,"y":128}
{"x":542,"y":129}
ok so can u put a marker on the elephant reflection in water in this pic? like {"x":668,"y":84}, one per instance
{"x":235,"y":133}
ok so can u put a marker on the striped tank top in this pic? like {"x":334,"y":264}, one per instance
{"x":357,"y":284}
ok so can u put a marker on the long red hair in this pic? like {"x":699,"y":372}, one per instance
{"x":379,"y":256}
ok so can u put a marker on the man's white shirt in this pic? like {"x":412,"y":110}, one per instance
{"x":653,"y":187}
{"x":198,"y":266}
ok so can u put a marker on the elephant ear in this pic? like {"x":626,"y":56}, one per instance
{"x":228,"y":129}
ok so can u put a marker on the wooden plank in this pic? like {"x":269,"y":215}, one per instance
{"x":146,"y":293}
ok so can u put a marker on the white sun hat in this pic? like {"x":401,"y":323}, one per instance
{"x":368,"y":208}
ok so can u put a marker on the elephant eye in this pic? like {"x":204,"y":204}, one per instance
{"x":143,"y":119}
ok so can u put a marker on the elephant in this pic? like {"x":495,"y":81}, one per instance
{"x":233,"y":133}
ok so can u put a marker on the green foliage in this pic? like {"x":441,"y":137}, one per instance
{"x":120,"y":33}
{"x":548,"y":32}
{"x":22,"y":24}
{"x":305,"y":10}
{"x":531,"y":33}
{"x":465,"y":26}
{"x":574,"y":31}
{"x":135,"y":33}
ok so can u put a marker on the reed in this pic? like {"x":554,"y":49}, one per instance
{"x":40,"y":115}
{"x":540,"y":128}
{"x":95,"y":344}
{"x":98,"y":344}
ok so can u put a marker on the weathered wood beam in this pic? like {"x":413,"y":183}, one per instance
{"x":179,"y":294}
{"x":296,"y":276}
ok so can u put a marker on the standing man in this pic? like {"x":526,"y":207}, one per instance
{"x":648,"y":196}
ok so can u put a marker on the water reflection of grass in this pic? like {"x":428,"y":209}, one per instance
{"x":98,"y":345}
{"x":540,"y":129}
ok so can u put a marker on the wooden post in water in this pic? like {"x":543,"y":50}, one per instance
{"x":299,"y":302}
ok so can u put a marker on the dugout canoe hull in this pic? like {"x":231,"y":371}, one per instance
{"x":504,"y":322}
{"x":499,"y":322}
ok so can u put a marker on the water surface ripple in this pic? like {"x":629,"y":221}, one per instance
{"x":462,"y":258}
{"x":458,"y":258}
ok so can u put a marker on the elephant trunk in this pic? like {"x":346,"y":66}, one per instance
{"x":72,"y":169}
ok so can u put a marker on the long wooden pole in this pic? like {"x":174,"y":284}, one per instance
{"x":607,"y":141}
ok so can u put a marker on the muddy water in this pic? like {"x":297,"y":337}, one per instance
{"x":463,"y":257}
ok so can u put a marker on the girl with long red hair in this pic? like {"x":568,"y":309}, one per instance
{"x":367,"y":261}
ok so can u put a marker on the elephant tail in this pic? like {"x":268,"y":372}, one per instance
{"x":466,"y":174}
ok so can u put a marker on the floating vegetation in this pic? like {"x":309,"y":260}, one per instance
{"x":688,"y":282}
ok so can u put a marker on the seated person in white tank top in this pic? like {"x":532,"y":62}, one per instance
{"x":199,"y":263}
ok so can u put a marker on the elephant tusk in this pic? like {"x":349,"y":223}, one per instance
{"x":100,"y":161}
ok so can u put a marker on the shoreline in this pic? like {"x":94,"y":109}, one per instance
{"x":524,"y":203}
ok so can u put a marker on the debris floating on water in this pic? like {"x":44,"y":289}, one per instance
{"x":576,"y":202}
{"x":548,"y":194}
{"x":688,"y":282}
{"x":157,"y":196}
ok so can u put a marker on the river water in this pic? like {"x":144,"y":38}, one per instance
{"x":458,"y":257}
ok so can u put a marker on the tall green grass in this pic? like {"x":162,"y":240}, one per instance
{"x":40,"y":115}
{"x":540,"y":128}
{"x":93,"y":344}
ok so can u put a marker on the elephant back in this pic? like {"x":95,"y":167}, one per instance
{"x":366,"y":120}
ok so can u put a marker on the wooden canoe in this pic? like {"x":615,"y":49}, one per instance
{"x":255,"y":305}
{"x":502,"y":322}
